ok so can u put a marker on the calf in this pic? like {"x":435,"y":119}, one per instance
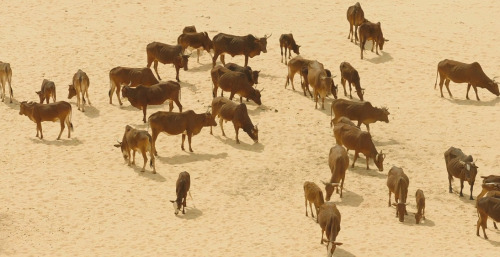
{"x":460,"y":166}
{"x":287,"y":42}
{"x":371,"y":31}
{"x":355,"y":17}
{"x":48,"y":89}
{"x":227,"y":110}
{"x":48,"y":112}
{"x":347,"y":72}
{"x":160,"y":52}
{"x":420,"y":200}
{"x":297,"y":65}
{"x":136,"y":140}
{"x":79,"y":86}
{"x":195,"y":40}
{"x":187,"y":123}
{"x":313,"y":194}
{"x":132,"y":77}
{"x":398,"y":183}
{"x":487,"y":207}
{"x":181,"y":190}
{"x":321,"y":83}
{"x":141,"y":96}
{"x":5,"y":77}
{"x":329,"y":221}
{"x":338,"y":162}
{"x":363,"y":112}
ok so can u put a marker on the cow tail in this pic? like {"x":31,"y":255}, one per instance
{"x":435,"y":84}
{"x":152,"y":156}
{"x":180,"y":94}
{"x":70,"y":118}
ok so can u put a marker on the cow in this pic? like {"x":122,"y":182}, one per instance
{"x":160,"y":52}
{"x":363,"y":112}
{"x":491,"y":182}
{"x":182,"y":186}
{"x":398,"y":183}
{"x":252,"y":75}
{"x":287,"y":42}
{"x":48,"y":112}
{"x":313,"y":194}
{"x":248,"y":45}
{"x":338,"y":162}
{"x":236,"y":83}
{"x":6,"y":76}
{"x":186,"y":123}
{"x":298,"y":65}
{"x":487,"y":207}
{"x":355,"y":17}
{"x":420,"y":200}
{"x":133,"y":77}
{"x":361,"y":142}
{"x":197,"y":40}
{"x":227,"y":110}
{"x":343,"y":120}
{"x":321,"y":83}
{"x":347,"y":72}
{"x":137,"y":140}
{"x":329,"y":221}
{"x":371,"y":31}
{"x":80,"y":85}
{"x":219,"y":70}
{"x":460,"y":166}
{"x":189,"y":29}
{"x":47,"y":90}
{"x":141,"y":96}
{"x":459,"y":72}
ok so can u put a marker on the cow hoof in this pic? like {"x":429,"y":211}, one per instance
{"x":154,"y":172}
{"x":142,"y":170}
{"x":191,"y":150}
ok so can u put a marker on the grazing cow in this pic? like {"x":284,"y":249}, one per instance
{"x":248,"y":45}
{"x":362,"y":112}
{"x":132,"y":77}
{"x":355,"y":17}
{"x":287,"y":42}
{"x":48,"y":89}
{"x":137,"y":140}
{"x":460,"y":166}
{"x":227,"y":110}
{"x":160,"y":52}
{"x":491,"y":182}
{"x":343,"y":120}
{"x":252,"y":75}
{"x":459,"y":72}
{"x":371,"y":31}
{"x":48,"y":112}
{"x":420,"y":200}
{"x":361,"y":142}
{"x":189,"y":29}
{"x":141,"y":96}
{"x":313,"y":194}
{"x":197,"y":40}
{"x":487,"y":207}
{"x":181,"y":190}
{"x":6,"y":76}
{"x":235,"y":83}
{"x":398,"y":183}
{"x":329,"y":221}
{"x":186,"y":123}
{"x":347,"y":72}
{"x":321,"y":83}
{"x":298,"y":65}
{"x":219,"y":70}
{"x":338,"y":162}
{"x":79,"y":86}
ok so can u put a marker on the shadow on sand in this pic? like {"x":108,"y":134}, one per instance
{"x":63,"y":141}
{"x":192,"y":157}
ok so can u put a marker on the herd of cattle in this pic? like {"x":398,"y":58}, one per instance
{"x":142,"y":88}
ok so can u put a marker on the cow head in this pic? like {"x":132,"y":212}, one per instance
{"x":493,"y":87}
{"x":40,"y":95}
{"x":71,"y":91}
{"x":208,"y":120}
{"x":253,"y":133}
{"x":207,"y":42}
{"x":255,"y":96}
{"x":329,"y":187}
{"x":121,"y":145}
{"x":418,"y":217}
{"x":330,"y":247}
{"x":24,"y":108}
{"x":295,"y":49}
{"x":177,"y":205}
{"x":383,"y":114}
{"x":333,"y":88}
{"x":469,"y":170}
{"x":184,"y":61}
{"x":126,"y":91}
{"x":255,"y":76}
{"x":262,"y":42}
{"x":401,"y":210}
{"x":379,"y":161}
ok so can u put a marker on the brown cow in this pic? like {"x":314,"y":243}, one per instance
{"x":227,"y":110}
{"x":182,"y":186}
{"x":186,"y":123}
{"x":287,"y":42}
{"x":347,"y":72}
{"x":459,"y":72}
{"x":189,"y":29}
{"x":398,"y":183}
{"x":420,"y":200}
{"x":48,"y":112}
{"x":491,"y":182}
{"x":137,"y":140}
{"x":252,"y":75}
{"x":371,"y":31}
{"x":132,"y":77}
{"x":6,"y":77}
{"x":363,"y":112}
{"x":237,"y":83}
{"x":460,"y":166}
{"x":313,"y":194}
{"x":160,"y":52}
{"x":297,"y":65}
{"x":338,"y":162}
{"x":343,"y":120}
{"x":79,"y":86}
{"x":321,"y":83}
{"x":329,"y":220}
{"x":48,"y":89}
{"x":141,"y":96}
{"x":197,"y":40}
{"x":487,"y":207}
{"x":248,"y":45}
{"x":355,"y":17}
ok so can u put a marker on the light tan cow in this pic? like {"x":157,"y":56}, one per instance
{"x":80,"y":86}
{"x":48,"y":112}
{"x":137,"y":140}
{"x":5,"y":76}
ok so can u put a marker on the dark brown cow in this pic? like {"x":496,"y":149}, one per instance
{"x":186,"y":123}
{"x":298,"y":65}
{"x":321,"y":83}
{"x":227,"y":110}
{"x":338,"y":162}
{"x":343,"y":120}
{"x":420,"y":200}
{"x":182,"y":186}
{"x":287,"y":42}
{"x":329,"y":220}
{"x":47,"y":90}
{"x":132,"y":77}
{"x":398,"y":183}
{"x":141,"y":96}
{"x":313,"y":194}
{"x":219,"y":70}
{"x":252,"y":75}
{"x":5,"y":77}
{"x":197,"y":40}
{"x":189,"y":29}
{"x":237,"y":83}
{"x":371,"y":31}
{"x":160,"y":52}
{"x":48,"y":112}
{"x":137,"y":140}
{"x":363,"y":112}
{"x":248,"y":45}
{"x":355,"y":17}
{"x":79,"y":86}
{"x":460,"y":166}
{"x":487,"y":207}
{"x":491,"y":182}
{"x":347,"y":72}
{"x":460,"y":72}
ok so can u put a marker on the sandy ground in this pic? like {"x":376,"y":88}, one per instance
{"x":77,"y":197}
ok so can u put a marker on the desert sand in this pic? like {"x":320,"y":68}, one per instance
{"x":77,"y":196}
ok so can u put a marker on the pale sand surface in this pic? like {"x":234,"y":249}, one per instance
{"x":77,"y":197}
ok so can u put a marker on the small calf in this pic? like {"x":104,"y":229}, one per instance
{"x":47,"y":90}
{"x":136,"y":140}
{"x":313,"y":194}
{"x":181,"y":189}
{"x":420,"y":200}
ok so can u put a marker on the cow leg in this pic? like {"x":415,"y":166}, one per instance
{"x":322,"y":232}
{"x":342,"y":81}
{"x":322,"y":103}
{"x":231,"y":96}
{"x":467,"y":94}
{"x":367,"y":127}
{"x":390,"y":198}
{"x":447,"y":83}
{"x":156,"y":68}
{"x":281,"y":48}
{"x":495,"y":225}
{"x":221,"y":123}
{"x":189,"y":141}
{"x":184,"y":204}
{"x":145,"y":157}
{"x":350,"y":31}
{"x":286,"y":48}
{"x":355,"y":34}
{"x":315,"y":95}
{"x":471,"y":187}
{"x":341,"y":187}
{"x":62,"y":128}
{"x":223,"y":59}
{"x":246,"y":60}
{"x":183,"y":138}
{"x":177,"y":68}
{"x":198,"y":55}
{"x":88,"y":99}
{"x":236,"y":129}
{"x":350,"y":90}
{"x":171,"y":105}
{"x":483,"y":218}
{"x":154,"y":136}
{"x":356,"y":155}
{"x":305,"y":197}
{"x":475,"y":90}
{"x":241,"y":99}
{"x":133,"y":156}
{"x":310,"y":207}
{"x":461,"y":187}
{"x":118,"y":94}
{"x":144,"y":108}
{"x":449,"y":181}
{"x":39,"y":128}
{"x":214,"y":58}
{"x":367,"y":161}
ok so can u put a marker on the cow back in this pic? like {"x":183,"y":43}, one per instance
{"x":329,"y":220}
{"x":338,"y":160}
{"x":398,"y":183}
{"x":80,"y":81}
{"x":159,"y":93}
{"x":164,"y":53}
{"x":133,"y":76}
{"x":355,"y":14}
{"x":490,"y":206}
{"x":51,"y":112}
{"x":183,"y":184}
{"x":350,"y":109}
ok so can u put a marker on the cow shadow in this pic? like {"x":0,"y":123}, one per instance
{"x":190,"y":86}
{"x":15,"y":105}
{"x":410,"y":219}
{"x":339,"y":251}
{"x":62,"y":142}
{"x":192,"y":157}
{"x":264,"y":75}
{"x":384,"y":57}
{"x":360,"y":169}
{"x":91,"y":111}
{"x":202,"y":67}
{"x":349,"y":198}
{"x":191,"y":213}
{"x":385,"y":143}
{"x":148,"y":173}
{"x":474,"y":102}
{"x":231,"y":141}
{"x":466,"y":192}
{"x":494,"y":243}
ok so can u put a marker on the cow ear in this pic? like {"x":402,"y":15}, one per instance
{"x":172,"y":201}
{"x":118,"y":145}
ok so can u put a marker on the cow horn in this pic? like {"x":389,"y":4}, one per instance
{"x":261,"y":90}
{"x":268,"y":36}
